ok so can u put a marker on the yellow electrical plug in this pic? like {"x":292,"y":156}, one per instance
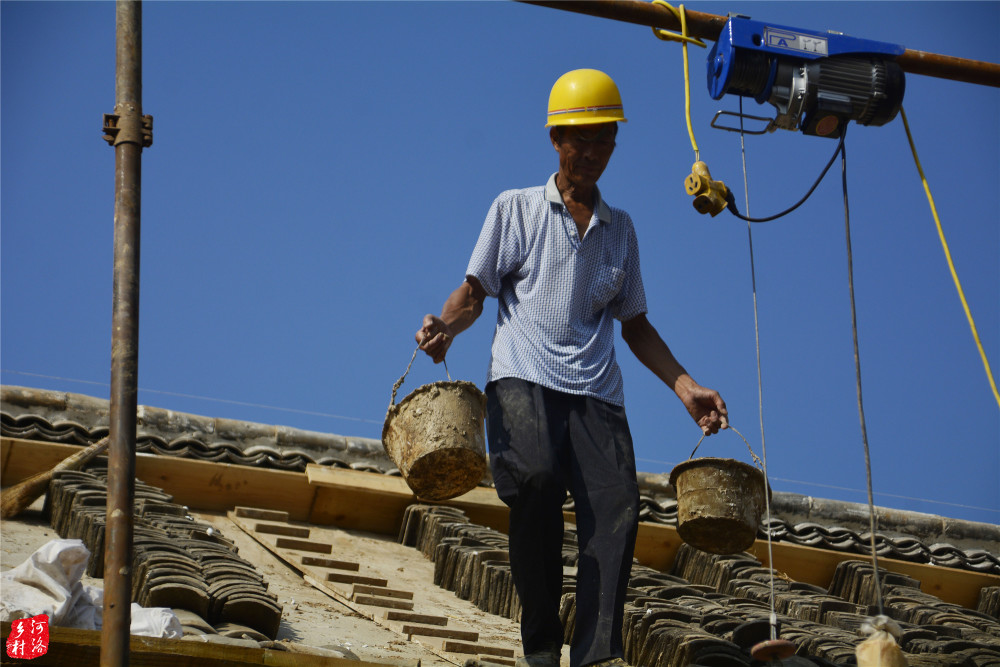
{"x":709,"y":196}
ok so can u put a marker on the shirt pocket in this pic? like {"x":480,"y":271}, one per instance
{"x":607,"y":283}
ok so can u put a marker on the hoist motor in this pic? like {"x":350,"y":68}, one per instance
{"x":817,"y":81}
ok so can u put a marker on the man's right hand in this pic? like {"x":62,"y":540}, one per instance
{"x":434,"y":337}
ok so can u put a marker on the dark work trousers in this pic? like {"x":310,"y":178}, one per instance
{"x":544,"y":443}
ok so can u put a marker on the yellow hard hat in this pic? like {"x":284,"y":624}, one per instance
{"x":584,"y":96}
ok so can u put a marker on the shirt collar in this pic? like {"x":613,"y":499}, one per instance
{"x":552,"y":194}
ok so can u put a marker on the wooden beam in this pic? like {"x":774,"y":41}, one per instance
{"x":374,"y":502}
{"x":82,"y":648}
{"x":369,"y":501}
{"x":24,"y":458}
{"x":204,"y":485}
{"x":816,"y":566}
{"x":657,"y":544}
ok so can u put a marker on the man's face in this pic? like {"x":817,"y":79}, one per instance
{"x":584,"y":151}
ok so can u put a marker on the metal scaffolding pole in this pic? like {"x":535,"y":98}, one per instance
{"x":128,"y":131}
{"x":708,"y":26}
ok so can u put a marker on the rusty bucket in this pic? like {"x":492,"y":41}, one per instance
{"x":719,"y":503}
{"x":435,"y":436}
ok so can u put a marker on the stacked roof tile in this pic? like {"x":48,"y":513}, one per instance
{"x":178,"y":562}
{"x":711,"y":610}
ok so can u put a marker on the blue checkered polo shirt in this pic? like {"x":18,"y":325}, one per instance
{"x":557,"y":295}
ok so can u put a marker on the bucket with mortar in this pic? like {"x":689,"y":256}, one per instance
{"x":719,"y":503}
{"x":435,"y":436}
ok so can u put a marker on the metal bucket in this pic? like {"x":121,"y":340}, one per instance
{"x":719,"y":503}
{"x":435,"y":436}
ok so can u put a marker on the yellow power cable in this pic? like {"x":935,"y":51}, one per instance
{"x":684,"y":39}
{"x":951,"y":264}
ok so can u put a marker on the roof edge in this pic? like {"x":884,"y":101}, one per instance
{"x":792,"y":507}
{"x":91,"y":411}
{"x":797,"y":508}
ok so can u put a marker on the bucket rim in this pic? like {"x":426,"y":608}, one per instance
{"x":460,"y":384}
{"x":689,"y":464}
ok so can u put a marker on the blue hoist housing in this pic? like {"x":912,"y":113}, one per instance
{"x":817,"y":81}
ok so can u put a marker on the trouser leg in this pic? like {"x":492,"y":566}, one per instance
{"x":604,"y":488}
{"x":529,"y":478}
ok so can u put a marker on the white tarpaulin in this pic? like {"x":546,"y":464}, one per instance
{"x":49,"y":583}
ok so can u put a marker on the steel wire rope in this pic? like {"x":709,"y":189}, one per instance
{"x":684,"y":39}
{"x":951,"y":264}
{"x":872,"y":519}
{"x":773,"y":618}
{"x":841,"y":150}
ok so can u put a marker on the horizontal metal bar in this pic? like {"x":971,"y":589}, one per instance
{"x":708,"y":26}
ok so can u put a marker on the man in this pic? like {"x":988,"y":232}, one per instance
{"x":563,"y":265}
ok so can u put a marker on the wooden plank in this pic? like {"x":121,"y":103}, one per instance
{"x":5,"y":449}
{"x":468,"y":648}
{"x":24,"y":458}
{"x":657,"y":544}
{"x":303,"y":545}
{"x":375,"y":502}
{"x":412,"y":629}
{"x":378,"y":601}
{"x":336,"y":508}
{"x":262,"y":514}
{"x":330,"y":563}
{"x":816,"y":566}
{"x":413,"y":617}
{"x":201,"y":485}
{"x":219,"y":487}
{"x":410,"y":572}
{"x":82,"y":648}
{"x":281,"y":529}
{"x":352,"y":579}
{"x":364,"y":589}
{"x":342,"y":477}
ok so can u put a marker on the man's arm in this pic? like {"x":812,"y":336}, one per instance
{"x":704,"y":405}
{"x":460,"y":310}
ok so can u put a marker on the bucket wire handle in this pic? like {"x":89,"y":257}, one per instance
{"x":399,"y":382}
{"x":731,"y":428}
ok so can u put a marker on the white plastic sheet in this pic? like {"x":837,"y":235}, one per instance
{"x":48,"y":582}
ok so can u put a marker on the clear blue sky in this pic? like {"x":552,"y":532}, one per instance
{"x":320,"y":172}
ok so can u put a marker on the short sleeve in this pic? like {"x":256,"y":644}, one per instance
{"x":500,"y":248}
